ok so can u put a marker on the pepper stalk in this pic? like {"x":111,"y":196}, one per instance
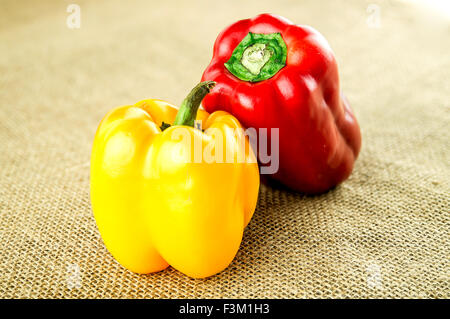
{"x":188,"y":110}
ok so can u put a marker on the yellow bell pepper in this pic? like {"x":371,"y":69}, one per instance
{"x":156,"y":203}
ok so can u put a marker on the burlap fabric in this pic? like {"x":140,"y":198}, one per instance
{"x":382,"y":233}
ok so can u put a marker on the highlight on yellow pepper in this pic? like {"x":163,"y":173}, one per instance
{"x":165,"y":193}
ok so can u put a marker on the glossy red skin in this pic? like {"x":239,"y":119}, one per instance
{"x":319,"y":136}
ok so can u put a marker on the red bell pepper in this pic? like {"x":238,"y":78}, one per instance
{"x":271,"y":73}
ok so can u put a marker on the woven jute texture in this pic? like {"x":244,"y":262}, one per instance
{"x":382,"y":233}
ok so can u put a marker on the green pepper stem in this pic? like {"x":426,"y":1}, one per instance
{"x":188,"y":110}
{"x":258,"y":57}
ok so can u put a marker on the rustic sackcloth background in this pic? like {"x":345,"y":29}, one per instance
{"x":382,"y":233}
